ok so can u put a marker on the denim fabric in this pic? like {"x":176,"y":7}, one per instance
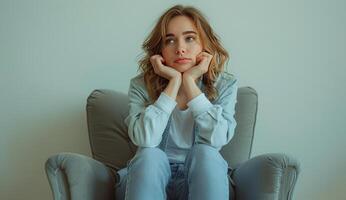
{"x":150,"y":176}
{"x":204,"y":174}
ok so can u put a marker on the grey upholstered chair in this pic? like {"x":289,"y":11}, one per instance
{"x":78,"y":177}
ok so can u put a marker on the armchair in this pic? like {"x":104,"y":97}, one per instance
{"x":73,"y":176}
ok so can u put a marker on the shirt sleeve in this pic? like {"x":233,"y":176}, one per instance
{"x":215,"y":122}
{"x":147,"y":124}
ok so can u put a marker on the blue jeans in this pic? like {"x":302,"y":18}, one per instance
{"x":150,"y":176}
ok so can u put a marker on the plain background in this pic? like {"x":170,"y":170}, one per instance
{"x":53,"y":54}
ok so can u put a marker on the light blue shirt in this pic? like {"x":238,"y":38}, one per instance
{"x":214,"y":122}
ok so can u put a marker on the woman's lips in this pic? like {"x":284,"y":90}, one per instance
{"x":183,"y":60}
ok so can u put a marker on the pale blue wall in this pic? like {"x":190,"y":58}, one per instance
{"x":54,"y":53}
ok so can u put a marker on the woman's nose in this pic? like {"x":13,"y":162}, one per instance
{"x":181,"y":48}
{"x":180,"y":51}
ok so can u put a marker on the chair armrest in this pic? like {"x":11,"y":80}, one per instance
{"x":77,"y":177}
{"x":269,"y":176}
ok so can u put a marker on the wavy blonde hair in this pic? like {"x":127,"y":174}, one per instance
{"x":153,"y":44}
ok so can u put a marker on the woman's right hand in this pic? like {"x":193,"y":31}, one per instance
{"x":163,"y":70}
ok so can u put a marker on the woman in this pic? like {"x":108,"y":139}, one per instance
{"x":181,"y":111}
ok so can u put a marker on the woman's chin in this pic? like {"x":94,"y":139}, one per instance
{"x":182,"y":68}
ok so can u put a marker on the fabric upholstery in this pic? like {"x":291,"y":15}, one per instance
{"x":110,"y":144}
{"x":78,"y":177}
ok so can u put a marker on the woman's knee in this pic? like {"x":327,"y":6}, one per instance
{"x":206,"y":164}
{"x":151,"y":157}
{"x":150,"y":165}
{"x":206,"y":154}
{"x":204,"y":151}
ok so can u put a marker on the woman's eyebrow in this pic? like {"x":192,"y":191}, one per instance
{"x":184,"y":33}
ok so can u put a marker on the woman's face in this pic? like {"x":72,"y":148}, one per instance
{"x":181,"y":45}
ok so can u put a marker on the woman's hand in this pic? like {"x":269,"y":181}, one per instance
{"x":163,"y":70}
{"x":203,"y":60}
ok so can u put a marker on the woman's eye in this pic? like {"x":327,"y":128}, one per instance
{"x":172,"y":40}
{"x":190,"y":38}
{"x":169,"y":41}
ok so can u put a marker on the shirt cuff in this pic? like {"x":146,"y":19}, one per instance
{"x":165,"y":103}
{"x":199,"y":104}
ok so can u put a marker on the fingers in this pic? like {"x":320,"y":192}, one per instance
{"x":156,"y":61}
{"x":204,"y":55}
{"x":160,"y":68}
{"x":203,"y":61}
{"x":203,"y":58}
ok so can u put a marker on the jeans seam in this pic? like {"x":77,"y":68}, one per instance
{"x":128,"y":179}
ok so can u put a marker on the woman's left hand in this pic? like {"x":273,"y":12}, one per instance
{"x":203,"y":60}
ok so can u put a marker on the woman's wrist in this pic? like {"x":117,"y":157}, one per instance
{"x":177,"y":77}
{"x":173,"y":87}
{"x":190,"y":87}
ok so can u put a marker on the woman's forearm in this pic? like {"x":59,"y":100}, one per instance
{"x":190,"y":87}
{"x":173,"y":87}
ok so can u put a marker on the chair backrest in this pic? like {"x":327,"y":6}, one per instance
{"x":110,"y":144}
